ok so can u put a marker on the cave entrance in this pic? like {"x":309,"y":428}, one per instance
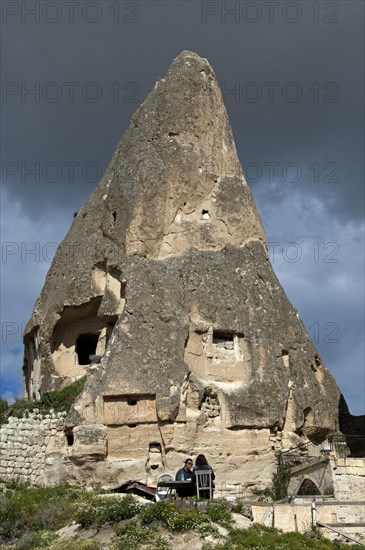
{"x":308,"y":488}
{"x":86,"y":346}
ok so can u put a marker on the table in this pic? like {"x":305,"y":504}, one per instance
{"x":170,"y":485}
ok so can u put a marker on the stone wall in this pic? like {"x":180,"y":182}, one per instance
{"x":320,"y":475}
{"x":301,"y":513}
{"x":349,"y":478}
{"x":34,"y":448}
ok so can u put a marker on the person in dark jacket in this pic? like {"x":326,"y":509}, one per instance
{"x":201,"y":463}
{"x":185,"y":474}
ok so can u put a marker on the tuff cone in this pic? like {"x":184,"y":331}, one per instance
{"x":163,"y":295}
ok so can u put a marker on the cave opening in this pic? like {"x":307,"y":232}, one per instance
{"x":308,"y":488}
{"x":86,"y":346}
{"x":69,"y":437}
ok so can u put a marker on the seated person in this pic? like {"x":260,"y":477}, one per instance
{"x":185,"y":474}
{"x":201,"y":463}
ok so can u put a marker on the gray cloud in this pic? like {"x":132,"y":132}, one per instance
{"x":263,"y":67}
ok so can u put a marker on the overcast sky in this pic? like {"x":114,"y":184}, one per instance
{"x":292,"y":75}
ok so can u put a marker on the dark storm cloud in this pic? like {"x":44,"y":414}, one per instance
{"x":293,"y":87}
{"x":322,"y":126}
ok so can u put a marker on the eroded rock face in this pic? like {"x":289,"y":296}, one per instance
{"x":163,"y":294}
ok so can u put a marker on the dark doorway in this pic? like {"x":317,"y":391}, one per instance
{"x":86,"y":346}
{"x":70,"y":437}
{"x":308,"y":488}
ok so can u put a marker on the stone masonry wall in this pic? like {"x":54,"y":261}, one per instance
{"x":299,"y":515}
{"x":349,"y":478}
{"x":34,"y":448}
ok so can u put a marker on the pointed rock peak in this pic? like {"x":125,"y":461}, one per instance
{"x":190,"y":190}
{"x":191,"y":61}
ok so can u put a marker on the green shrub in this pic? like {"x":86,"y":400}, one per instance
{"x":73,"y":543}
{"x":176,"y":519}
{"x":156,"y":512}
{"x":15,"y":484}
{"x":279,"y":485}
{"x":60,"y":400}
{"x":220,"y":513}
{"x":25,"y":508}
{"x":12,"y":524}
{"x":98,"y":510}
{"x":18,"y":408}
{"x":132,"y":536}
{"x":243,"y":509}
{"x":259,"y":537}
{"x":280,"y":480}
{"x":4,"y":407}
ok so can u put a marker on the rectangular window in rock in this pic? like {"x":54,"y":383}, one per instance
{"x":224,"y":347}
{"x":223,"y":340}
{"x":129,"y":409}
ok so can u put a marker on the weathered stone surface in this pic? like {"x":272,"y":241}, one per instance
{"x":69,"y":531}
{"x":241,"y":522}
{"x":163,"y":294}
{"x":90,"y":443}
{"x":297,"y":516}
{"x":349,"y":478}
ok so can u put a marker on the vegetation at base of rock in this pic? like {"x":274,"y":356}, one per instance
{"x":280,"y":480}
{"x":279,"y":485}
{"x":177,"y":519}
{"x":25,"y":508}
{"x":59,"y":401}
{"x":132,"y":536}
{"x":242,"y":509}
{"x":259,"y":537}
{"x":30,"y":516}
{"x":98,"y":511}
{"x":50,"y":541}
{"x":62,"y":400}
{"x":220,"y":513}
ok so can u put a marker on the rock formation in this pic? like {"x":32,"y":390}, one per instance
{"x":163,"y":294}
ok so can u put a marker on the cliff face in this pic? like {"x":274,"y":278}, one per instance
{"x":163,"y":294}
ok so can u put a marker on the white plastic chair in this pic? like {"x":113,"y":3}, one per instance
{"x":164,"y":493}
{"x":204,"y":483}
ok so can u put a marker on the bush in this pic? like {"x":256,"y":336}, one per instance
{"x":63,"y":399}
{"x":15,"y":484}
{"x":155,"y":512}
{"x":12,"y":523}
{"x":4,"y":407}
{"x":243,"y":509}
{"x":259,"y":537}
{"x":177,"y":520}
{"x":279,"y":485}
{"x":18,"y":408}
{"x":98,"y":511}
{"x":60,"y":400}
{"x":72,"y":543}
{"x":219,"y":513}
{"x":24,"y":508}
{"x":132,"y":536}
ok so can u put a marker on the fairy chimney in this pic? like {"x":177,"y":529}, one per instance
{"x":163,"y":295}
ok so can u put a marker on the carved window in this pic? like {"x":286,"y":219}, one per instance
{"x":223,"y":340}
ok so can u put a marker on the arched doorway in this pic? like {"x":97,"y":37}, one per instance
{"x":307,"y":487}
